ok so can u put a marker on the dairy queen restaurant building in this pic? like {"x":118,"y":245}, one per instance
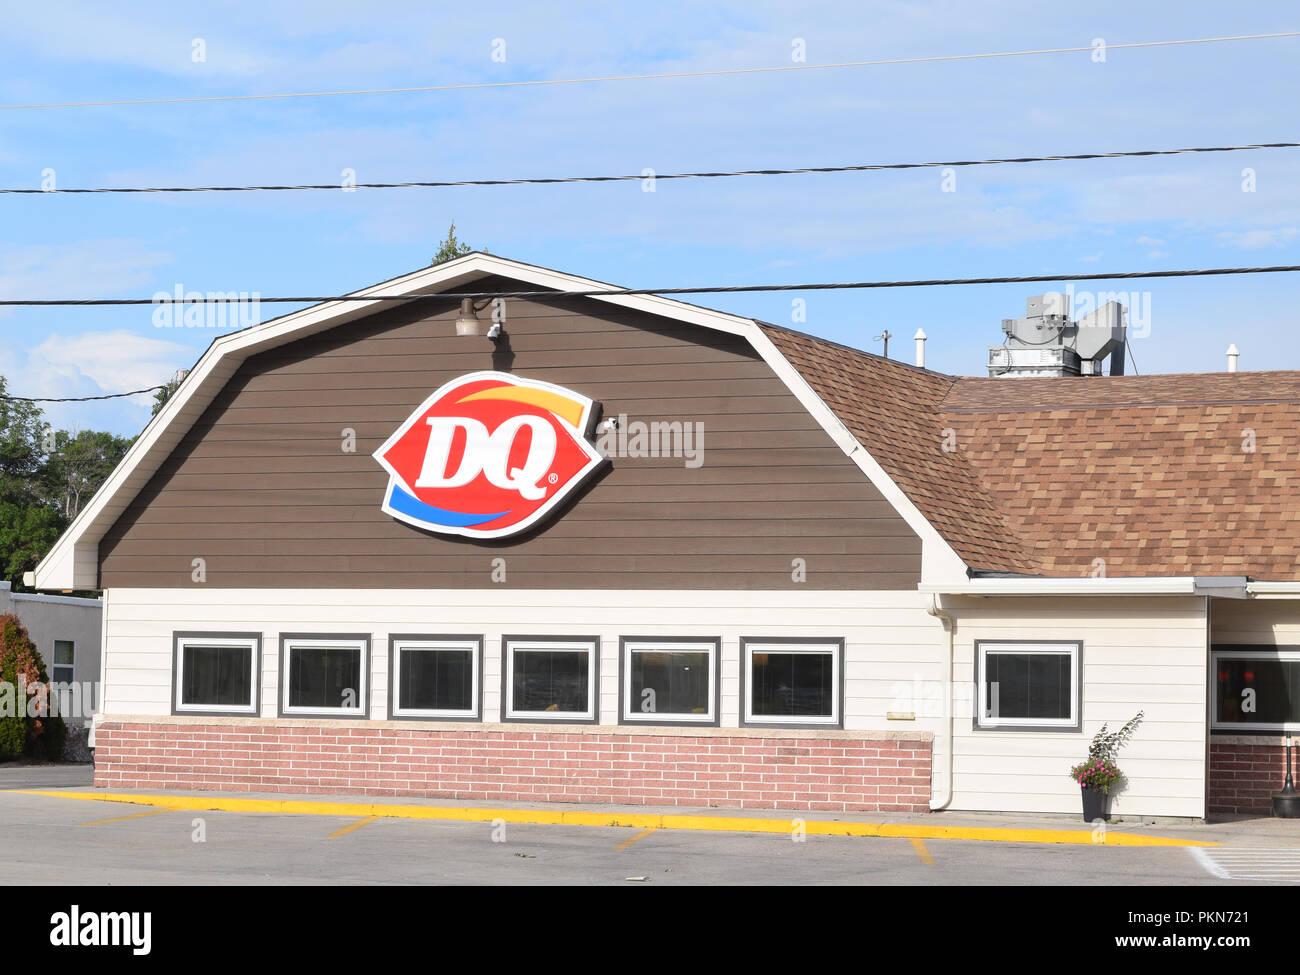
{"x":625,"y":549}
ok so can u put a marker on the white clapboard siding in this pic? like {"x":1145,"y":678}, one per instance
{"x":891,"y":642}
{"x":1271,"y":621}
{"x":1138,"y":654}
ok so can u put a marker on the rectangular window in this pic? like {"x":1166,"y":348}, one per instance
{"x":61,"y":668}
{"x":216,"y":673}
{"x":1028,"y":685}
{"x":325,"y":676}
{"x":550,"y":678}
{"x":670,"y":681}
{"x":435,"y":676}
{"x":796,"y":682}
{"x":1256,"y":688}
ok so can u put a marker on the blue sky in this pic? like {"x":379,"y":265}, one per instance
{"x":1034,"y":219}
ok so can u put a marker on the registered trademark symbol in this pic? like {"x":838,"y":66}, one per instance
{"x":552,"y":478}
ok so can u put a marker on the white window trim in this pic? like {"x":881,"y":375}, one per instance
{"x":287,"y":646}
{"x":1265,"y":651}
{"x":586,"y":646}
{"x":634,"y":714}
{"x":1047,"y":647}
{"x":217,"y":640}
{"x":417,"y":643}
{"x":837,"y":683}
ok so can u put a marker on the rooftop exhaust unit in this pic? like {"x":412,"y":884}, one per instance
{"x":1046,"y":343}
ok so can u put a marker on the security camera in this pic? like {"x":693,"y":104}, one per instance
{"x":496,"y":331}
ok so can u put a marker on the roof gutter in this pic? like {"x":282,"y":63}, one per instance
{"x":1274,"y":590}
{"x":1230,"y":587}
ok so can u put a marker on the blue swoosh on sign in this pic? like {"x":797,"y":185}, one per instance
{"x":413,"y":507}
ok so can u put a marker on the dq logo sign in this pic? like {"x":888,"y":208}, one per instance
{"x":488,"y":455}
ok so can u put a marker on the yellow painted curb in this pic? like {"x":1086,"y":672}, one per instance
{"x":547,"y":817}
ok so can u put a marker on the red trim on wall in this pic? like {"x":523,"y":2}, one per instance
{"x":839,"y":774}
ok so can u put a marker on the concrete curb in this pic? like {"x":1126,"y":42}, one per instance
{"x":546,"y":817}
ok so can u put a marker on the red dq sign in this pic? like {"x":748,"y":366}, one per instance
{"x":488,"y":455}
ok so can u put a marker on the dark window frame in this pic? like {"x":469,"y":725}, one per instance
{"x":1019,"y":725}
{"x":56,"y":666}
{"x":668,"y":643}
{"x":394,"y":671}
{"x":282,"y":692}
{"x":838,"y":650}
{"x":591,"y":643}
{"x":216,"y":637}
{"x":1257,"y":651}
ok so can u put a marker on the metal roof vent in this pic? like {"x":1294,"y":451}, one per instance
{"x":1046,"y":343}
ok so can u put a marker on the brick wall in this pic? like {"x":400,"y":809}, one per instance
{"x":836,"y":771}
{"x":1245,"y":773}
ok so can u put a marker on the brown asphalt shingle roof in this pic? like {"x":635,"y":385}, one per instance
{"x":1148,"y":473}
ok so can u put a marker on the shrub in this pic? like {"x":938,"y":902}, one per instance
{"x":23,"y":675}
{"x":1098,"y":770}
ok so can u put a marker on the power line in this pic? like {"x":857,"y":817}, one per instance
{"x":79,"y":399}
{"x":223,"y":297}
{"x":645,"y":77}
{"x":871,"y":167}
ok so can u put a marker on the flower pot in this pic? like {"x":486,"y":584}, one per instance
{"x":1094,"y":804}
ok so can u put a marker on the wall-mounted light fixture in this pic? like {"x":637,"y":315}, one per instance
{"x":467,"y":322}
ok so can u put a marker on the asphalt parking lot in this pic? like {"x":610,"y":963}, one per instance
{"x":58,"y":840}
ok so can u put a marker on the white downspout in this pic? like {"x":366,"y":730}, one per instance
{"x":948,"y":626}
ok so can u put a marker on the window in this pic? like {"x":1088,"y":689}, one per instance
{"x":324,"y":676}
{"x":435,"y":676}
{"x":550,"y":678}
{"x":791,"y":682}
{"x":1256,"y":688}
{"x":61,"y":668}
{"x":670,"y":681}
{"x":1028,"y":685}
{"x":216,"y":673}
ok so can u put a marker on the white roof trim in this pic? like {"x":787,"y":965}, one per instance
{"x":73,"y":562}
{"x":1225,"y":586}
{"x":939,"y":561}
{"x":1274,"y":590}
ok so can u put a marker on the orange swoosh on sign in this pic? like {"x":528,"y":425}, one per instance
{"x":561,"y":406}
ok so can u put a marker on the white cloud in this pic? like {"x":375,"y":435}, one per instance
{"x":83,"y":269}
{"x":113,"y":361}
{"x":91,"y":364}
{"x":1257,"y":239}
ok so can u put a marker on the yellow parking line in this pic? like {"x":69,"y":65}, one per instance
{"x":918,"y":845}
{"x":118,"y":819}
{"x":559,"y":817}
{"x":350,"y":827}
{"x":639,"y":836}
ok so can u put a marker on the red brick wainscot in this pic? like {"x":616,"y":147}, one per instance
{"x":839,"y":771}
{"x":1245,"y":771}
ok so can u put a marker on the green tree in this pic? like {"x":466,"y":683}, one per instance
{"x":161,"y":396}
{"x":28,"y":529}
{"x":46,"y":476}
{"x":28,"y":525}
{"x":24,"y":435}
{"x":451,"y":248}
{"x":78,"y":465}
